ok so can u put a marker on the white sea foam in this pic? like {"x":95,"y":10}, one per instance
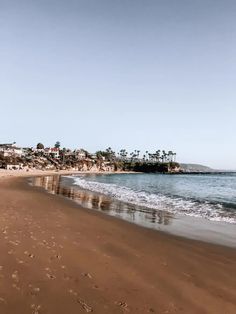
{"x":170,"y":204}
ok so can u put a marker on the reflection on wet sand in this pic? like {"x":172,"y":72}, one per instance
{"x":92,"y":200}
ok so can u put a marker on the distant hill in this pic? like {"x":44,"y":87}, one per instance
{"x":195,"y":168}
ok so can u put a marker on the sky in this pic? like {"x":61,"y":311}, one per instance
{"x":131,"y":74}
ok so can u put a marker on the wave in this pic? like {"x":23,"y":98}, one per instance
{"x":175,"y":205}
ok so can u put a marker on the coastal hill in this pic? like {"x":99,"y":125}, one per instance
{"x":57,"y":158}
{"x":195,"y":168}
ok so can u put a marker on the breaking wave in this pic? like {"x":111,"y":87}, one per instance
{"x":175,"y":205}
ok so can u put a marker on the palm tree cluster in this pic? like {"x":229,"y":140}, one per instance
{"x":158,"y":156}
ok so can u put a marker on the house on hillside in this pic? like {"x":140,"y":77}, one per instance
{"x":80,"y":154}
{"x":10,"y":150}
{"x":68,"y":152}
{"x":93,"y":156}
{"x":52,"y":151}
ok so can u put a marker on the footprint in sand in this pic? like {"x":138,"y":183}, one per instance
{"x":57,"y":256}
{"x":85,"y":306}
{"x":29,"y":254}
{"x":15,"y":286}
{"x":15,"y":276}
{"x":87,"y":275}
{"x":19,"y":261}
{"x":2,"y":300}
{"x":34,"y":291}
{"x":35,"y":308}
{"x":14,"y":242}
{"x":50,"y":276}
{"x":71,"y":291}
{"x":66,"y":277}
{"x":123,"y":305}
{"x":95,"y":287}
{"x":151,"y":310}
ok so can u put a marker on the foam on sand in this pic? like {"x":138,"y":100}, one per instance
{"x":175,"y":205}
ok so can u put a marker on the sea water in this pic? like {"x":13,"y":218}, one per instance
{"x":201,"y":206}
{"x":209,"y":196}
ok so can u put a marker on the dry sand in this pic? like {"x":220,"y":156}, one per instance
{"x":61,"y":259}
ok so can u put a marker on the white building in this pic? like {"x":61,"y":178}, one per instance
{"x":9,"y":150}
{"x":55,"y":152}
{"x":14,"y":167}
{"x":80,"y":154}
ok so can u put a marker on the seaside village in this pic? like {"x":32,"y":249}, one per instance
{"x":13,"y":157}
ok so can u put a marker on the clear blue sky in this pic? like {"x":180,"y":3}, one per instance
{"x":128,"y":74}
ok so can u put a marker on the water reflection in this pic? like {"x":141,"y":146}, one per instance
{"x":64,"y":186}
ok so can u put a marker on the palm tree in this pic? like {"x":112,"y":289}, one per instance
{"x":57,"y":144}
{"x":158,"y":154}
{"x":132,"y":154}
{"x":170,"y":156}
{"x":163,"y":156}
{"x":111,"y":155}
{"x":174,"y":155}
{"x":123,"y":153}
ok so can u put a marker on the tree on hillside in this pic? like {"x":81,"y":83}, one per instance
{"x":101,"y":154}
{"x":108,"y":154}
{"x":123,"y":154}
{"x":40,"y":146}
{"x":111,"y":155}
{"x":57,"y":144}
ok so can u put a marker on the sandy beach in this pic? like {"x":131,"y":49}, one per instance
{"x":56,"y":257}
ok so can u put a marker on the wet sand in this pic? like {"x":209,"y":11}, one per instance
{"x":56,"y":257}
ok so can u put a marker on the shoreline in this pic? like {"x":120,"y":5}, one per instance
{"x":56,"y":257}
{"x":207,"y":231}
{"x":196,"y":228}
{"x":32,"y":173}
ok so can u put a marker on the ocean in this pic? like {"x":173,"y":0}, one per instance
{"x":199,"y":206}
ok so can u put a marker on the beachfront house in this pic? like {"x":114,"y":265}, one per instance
{"x":14,"y":167}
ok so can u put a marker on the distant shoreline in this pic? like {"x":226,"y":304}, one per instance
{"x":32,"y":173}
{"x":202,"y":172}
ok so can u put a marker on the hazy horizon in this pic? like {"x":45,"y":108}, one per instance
{"x":128,"y":74}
